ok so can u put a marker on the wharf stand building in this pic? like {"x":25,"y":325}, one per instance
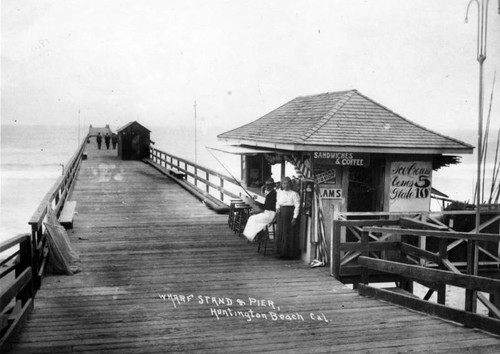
{"x":350,"y":153}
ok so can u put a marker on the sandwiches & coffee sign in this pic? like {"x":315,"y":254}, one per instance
{"x":341,"y":158}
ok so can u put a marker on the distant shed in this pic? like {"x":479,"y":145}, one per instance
{"x":133,"y":141}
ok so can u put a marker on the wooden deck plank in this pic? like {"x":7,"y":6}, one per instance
{"x":140,"y":236}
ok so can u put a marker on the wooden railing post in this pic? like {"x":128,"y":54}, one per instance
{"x":207,"y":186}
{"x":335,"y":249}
{"x":495,"y":300}
{"x":26,"y":261}
{"x":35,"y":235}
{"x":222,"y":188}
{"x":365,"y":252}
{"x":472,"y":256}
{"x":443,"y":255}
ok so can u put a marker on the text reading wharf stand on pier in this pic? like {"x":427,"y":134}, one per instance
{"x":162,"y":272}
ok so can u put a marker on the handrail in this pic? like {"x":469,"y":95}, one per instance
{"x":23,"y":268}
{"x":178,"y":164}
{"x":366,"y":249}
{"x":16,"y":296}
{"x":61,"y":187}
{"x":438,"y":234}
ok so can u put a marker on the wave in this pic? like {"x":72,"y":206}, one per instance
{"x":29,"y":164}
{"x":29,"y":175}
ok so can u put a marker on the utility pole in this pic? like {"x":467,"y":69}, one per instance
{"x":78,"y":142}
{"x":472,"y":247}
{"x":195,"y":137}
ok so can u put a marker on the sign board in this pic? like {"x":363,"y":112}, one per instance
{"x":327,"y":176}
{"x":341,"y":158}
{"x":410,"y":186}
{"x":330,"y":192}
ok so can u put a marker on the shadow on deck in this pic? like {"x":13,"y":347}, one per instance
{"x":163,"y":273}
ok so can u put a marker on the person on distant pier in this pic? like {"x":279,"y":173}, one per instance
{"x":257,"y":222}
{"x":287,"y":210}
{"x":98,"y":139}
{"x":114,"y":140}
{"x":107,"y":139}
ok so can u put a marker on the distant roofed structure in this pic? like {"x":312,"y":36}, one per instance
{"x":93,"y":131}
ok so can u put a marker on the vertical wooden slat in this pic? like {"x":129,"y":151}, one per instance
{"x":25,"y":261}
{"x":222,"y":188}
{"x":335,"y":249}
{"x":471,"y":295}
{"x":35,"y":232}
{"x":443,"y":255}
{"x":365,"y":253}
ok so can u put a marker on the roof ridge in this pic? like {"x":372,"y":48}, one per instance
{"x":328,"y":93}
{"x":413,"y":123}
{"x":340,"y":103}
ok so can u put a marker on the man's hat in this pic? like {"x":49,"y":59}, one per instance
{"x":269,"y":181}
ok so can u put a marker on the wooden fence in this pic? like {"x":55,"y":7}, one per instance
{"x":392,"y":249}
{"x":211,"y":186}
{"x":23,"y":268}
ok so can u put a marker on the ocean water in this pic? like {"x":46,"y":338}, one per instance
{"x":31,"y":159}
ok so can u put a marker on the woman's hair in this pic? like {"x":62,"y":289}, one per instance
{"x":288,"y":179}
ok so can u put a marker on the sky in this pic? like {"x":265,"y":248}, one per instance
{"x":70,"y":62}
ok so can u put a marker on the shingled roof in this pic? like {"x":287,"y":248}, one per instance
{"x":345,"y":120}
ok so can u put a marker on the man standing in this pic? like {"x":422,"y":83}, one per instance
{"x":107,"y":139}
{"x":98,"y":139}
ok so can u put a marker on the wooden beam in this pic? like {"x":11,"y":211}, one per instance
{"x":433,"y":275}
{"x":363,"y":223}
{"x":15,"y":326}
{"x":13,"y":241}
{"x":420,"y":225}
{"x":466,"y":318}
{"x":418,"y":252}
{"x":492,"y":308}
{"x":8,"y":294}
{"x":438,"y":234}
{"x":372,"y":246}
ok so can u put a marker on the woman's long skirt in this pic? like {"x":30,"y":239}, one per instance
{"x":287,"y":244}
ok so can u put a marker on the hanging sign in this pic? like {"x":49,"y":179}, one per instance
{"x":410,"y":185}
{"x":327,"y":176}
{"x":342,"y":158}
{"x":328,"y":191}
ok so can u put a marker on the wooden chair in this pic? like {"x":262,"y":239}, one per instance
{"x":241,"y":215}
{"x":232,"y":212}
{"x":268,"y":232}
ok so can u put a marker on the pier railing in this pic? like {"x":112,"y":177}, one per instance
{"x":22,"y":269}
{"x":211,"y":186}
{"x":407,"y":250}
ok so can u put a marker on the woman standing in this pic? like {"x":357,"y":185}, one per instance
{"x":287,"y":209}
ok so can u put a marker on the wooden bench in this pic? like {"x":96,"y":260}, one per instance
{"x":66,"y":217}
{"x":177,"y":174}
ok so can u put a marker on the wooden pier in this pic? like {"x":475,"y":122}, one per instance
{"x":164,"y":273}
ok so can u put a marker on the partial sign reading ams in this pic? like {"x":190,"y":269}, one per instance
{"x":330,"y":193}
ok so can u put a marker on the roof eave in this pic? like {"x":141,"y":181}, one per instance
{"x":365,"y":149}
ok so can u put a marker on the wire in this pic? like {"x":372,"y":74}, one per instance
{"x":234,"y":179}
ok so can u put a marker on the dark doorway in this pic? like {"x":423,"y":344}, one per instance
{"x":366,"y":185}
